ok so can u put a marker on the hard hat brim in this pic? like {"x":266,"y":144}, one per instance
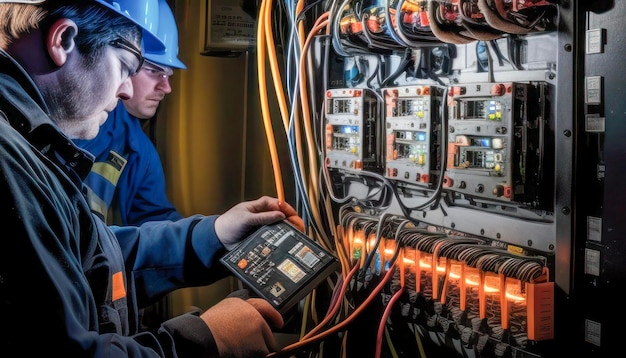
{"x":165,"y":60}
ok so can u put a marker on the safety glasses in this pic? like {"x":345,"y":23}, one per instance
{"x":124,"y":44}
{"x":156,"y":71}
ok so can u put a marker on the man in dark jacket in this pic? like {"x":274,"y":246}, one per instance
{"x":71,"y":286}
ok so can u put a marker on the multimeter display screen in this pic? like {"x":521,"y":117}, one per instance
{"x":280,"y":264}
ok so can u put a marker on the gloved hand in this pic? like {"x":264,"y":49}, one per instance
{"x":245,"y":216}
{"x":241,"y":328}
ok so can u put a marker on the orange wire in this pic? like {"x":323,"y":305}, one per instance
{"x":280,"y":93}
{"x":335,"y":308}
{"x":373,"y":295}
{"x":383,"y":321}
{"x":313,"y":187}
{"x":269,"y":133}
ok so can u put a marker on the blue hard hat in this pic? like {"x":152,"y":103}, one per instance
{"x":167,"y":32}
{"x":144,"y":13}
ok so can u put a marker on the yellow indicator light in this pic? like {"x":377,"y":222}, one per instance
{"x":490,"y":289}
{"x":513,"y":297}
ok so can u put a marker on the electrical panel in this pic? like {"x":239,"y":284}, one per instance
{"x":448,"y":140}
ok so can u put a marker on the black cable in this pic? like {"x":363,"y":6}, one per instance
{"x":406,"y":58}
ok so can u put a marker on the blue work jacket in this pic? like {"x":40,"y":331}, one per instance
{"x":126,"y":185}
{"x":71,"y":286}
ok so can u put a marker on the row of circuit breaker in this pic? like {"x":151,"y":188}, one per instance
{"x":478,"y":140}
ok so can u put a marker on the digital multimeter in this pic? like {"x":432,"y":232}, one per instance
{"x":280,"y":264}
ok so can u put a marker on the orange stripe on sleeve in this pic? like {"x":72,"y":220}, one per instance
{"x":119,"y":290}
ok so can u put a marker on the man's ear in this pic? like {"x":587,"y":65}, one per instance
{"x":60,"y":40}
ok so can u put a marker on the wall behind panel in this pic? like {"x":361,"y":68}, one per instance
{"x":213,"y":148}
{"x":203,"y":122}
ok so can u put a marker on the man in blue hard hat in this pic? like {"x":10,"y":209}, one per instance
{"x":69,"y":284}
{"x":127,"y":183}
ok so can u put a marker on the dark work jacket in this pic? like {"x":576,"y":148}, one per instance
{"x":69,"y":285}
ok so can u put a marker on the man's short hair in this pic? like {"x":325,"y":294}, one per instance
{"x":97,"y":24}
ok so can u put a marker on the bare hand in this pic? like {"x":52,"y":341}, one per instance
{"x":245,"y":216}
{"x":241,"y":328}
